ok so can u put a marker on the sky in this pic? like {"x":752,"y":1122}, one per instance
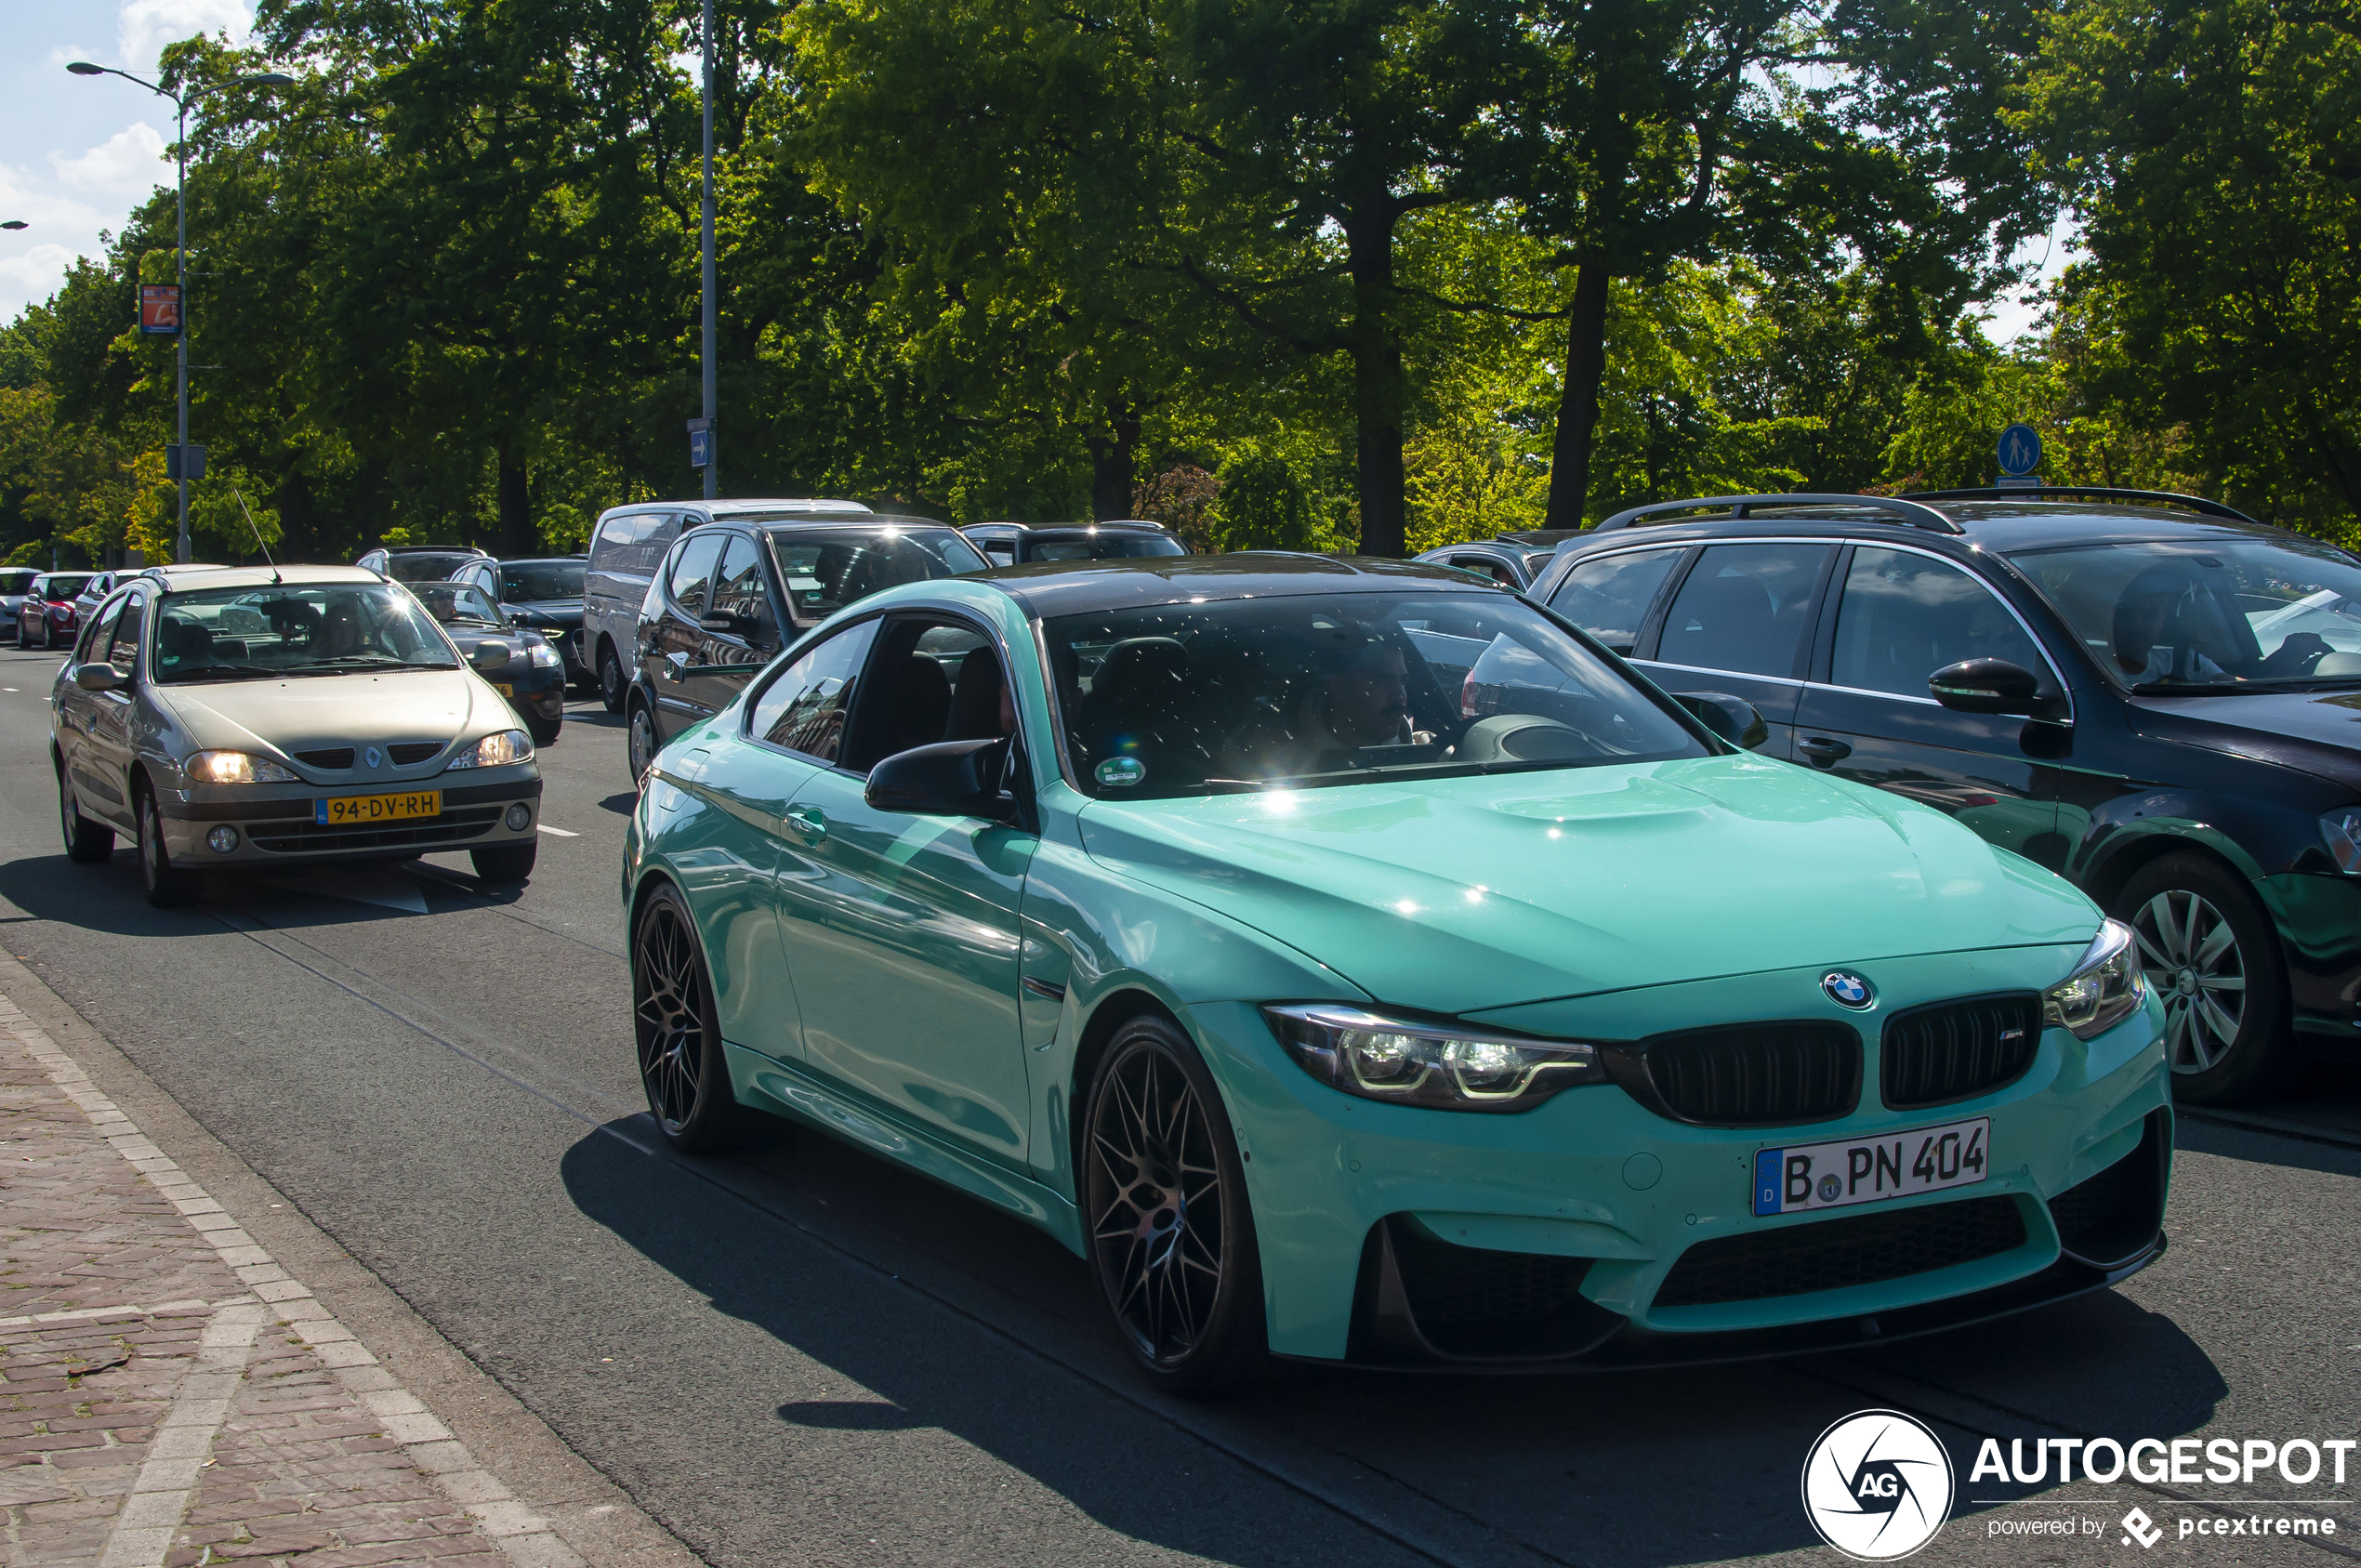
{"x":78,"y":152}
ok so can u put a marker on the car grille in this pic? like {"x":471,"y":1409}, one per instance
{"x":2114,"y":1215}
{"x":1756,"y":1075}
{"x":304,"y":836}
{"x":1837,"y":1254}
{"x":1955,"y":1051}
{"x":408,"y":754}
{"x":331,"y":758}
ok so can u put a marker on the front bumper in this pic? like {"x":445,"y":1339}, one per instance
{"x":276,"y":826}
{"x":2319,"y":922}
{"x":1593,"y":1192}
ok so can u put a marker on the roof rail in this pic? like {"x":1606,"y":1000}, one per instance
{"x":1905,"y":512}
{"x":2096,"y":492}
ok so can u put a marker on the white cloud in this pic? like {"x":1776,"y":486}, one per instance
{"x":32,"y":274}
{"x":146,"y":26}
{"x":130,"y":163}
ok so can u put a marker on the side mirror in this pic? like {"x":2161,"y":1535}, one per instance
{"x":948,"y":778}
{"x":1985,"y":686}
{"x":491,"y":655}
{"x":1732,"y":719}
{"x":97,"y":677}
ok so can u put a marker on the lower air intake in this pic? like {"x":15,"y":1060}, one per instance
{"x":1838,"y":1254}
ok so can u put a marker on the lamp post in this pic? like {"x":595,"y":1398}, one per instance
{"x":180,"y":248}
{"x":712,"y":436}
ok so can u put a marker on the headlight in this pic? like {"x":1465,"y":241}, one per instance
{"x":2343,"y":831}
{"x":495,"y":751}
{"x":2106,"y":987}
{"x":1442,"y":1066}
{"x":235,"y":767}
{"x":543,"y":656}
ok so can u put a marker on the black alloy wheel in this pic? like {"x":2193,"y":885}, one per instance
{"x":2208,"y":950}
{"x":612,"y":689}
{"x":640,"y":733}
{"x":681,"y":1064}
{"x":167,"y":886}
{"x":1171,"y":1233}
{"x":87,"y":842}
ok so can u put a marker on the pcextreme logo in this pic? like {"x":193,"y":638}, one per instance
{"x":1878,"y":1485}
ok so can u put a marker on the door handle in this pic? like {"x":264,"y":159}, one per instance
{"x":1822,"y":751}
{"x":807,"y":824}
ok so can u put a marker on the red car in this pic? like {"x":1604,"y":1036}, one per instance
{"x":47,"y":618}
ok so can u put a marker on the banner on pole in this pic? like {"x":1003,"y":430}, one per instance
{"x":159,"y":310}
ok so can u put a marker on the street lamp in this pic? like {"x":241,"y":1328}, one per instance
{"x":181,"y":246}
{"x":705,"y":366}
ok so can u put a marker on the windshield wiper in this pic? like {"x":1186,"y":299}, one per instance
{"x":219,"y":672}
{"x":2228,"y":688}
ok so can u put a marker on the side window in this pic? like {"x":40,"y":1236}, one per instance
{"x":1745,"y":608}
{"x":693,"y":571}
{"x":1905,"y":616}
{"x":804,"y":707}
{"x":1486,"y":565}
{"x":1609,"y":596}
{"x":738,"y":590}
{"x":123,"y":647}
{"x":97,"y":635}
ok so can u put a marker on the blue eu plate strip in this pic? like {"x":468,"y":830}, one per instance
{"x":320,"y":812}
{"x":1766,"y":1180}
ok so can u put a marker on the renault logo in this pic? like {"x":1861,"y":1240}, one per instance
{"x":375,"y":758}
{"x":1846,"y":989}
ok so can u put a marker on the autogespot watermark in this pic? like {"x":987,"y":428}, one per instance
{"x":1879,"y":1485}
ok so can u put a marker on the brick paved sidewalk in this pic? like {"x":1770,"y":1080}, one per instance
{"x":170,"y":1396}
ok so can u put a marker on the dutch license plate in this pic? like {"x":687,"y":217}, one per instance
{"x":358,"y":811}
{"x":1864,"y":1170}
{"x":508,"y":691}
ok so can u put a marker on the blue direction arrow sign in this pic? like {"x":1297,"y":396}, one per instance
{"x":2020,"y":450}
{"x":700,"y":444}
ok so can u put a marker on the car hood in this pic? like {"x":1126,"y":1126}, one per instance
{"x":1459,"y":894}
{"x":332,"y":710}
{"x":2317,"y":731}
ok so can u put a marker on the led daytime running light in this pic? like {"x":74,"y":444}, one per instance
{"x":1441,"y":1066}
{"x":2106,"y":987}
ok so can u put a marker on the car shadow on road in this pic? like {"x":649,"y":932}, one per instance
{"x":1550,"y":1463}
{"x":108,"y":897}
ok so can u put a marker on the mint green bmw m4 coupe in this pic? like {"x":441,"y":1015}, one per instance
{"x":1351,"y":961}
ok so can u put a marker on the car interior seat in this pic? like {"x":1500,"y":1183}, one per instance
{"x":975,"y":698}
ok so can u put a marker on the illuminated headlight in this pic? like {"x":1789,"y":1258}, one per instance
{"x":543,"y":656}
{"x":235,"y":768}
{"x":496,"y":751}
{"x":1442,"y":1066}
{"x":2105,"y":988}
{"x":2343,"y":831}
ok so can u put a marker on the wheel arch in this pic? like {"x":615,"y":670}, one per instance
{"x":1127,"y":1001}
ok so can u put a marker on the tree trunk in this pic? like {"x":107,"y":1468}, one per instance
{"x":295,"y":543}
{"x":1578,"y":404}
{"x":1378,"y":388}
{"x":1113,"y":464}
{"x":517,"y":537}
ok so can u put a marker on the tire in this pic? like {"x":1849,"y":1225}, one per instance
{"x":640,"y":742}
{"x":506,"y":863}
{"x":2210,"y":953}
{"x":1171,"y":1230}
{"x":613,"y":689}
{"x":88,"y":843}
{"x":45,"y":635}
{"x":679,"y":1031}
{"x":544,"y":731}
{"x":169,"y":887}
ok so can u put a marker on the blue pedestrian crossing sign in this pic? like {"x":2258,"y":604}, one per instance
{"x":2020,"y":450}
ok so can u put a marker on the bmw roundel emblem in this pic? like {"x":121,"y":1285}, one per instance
{"x":375,"y":758}
{"x":1846,"y":989}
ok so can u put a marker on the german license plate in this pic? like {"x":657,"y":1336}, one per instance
{"x":1864,"y":1170}
{"x":358,"y":811}
{"x":505,"y":691}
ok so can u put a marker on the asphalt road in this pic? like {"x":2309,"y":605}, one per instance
{"x":801,"y":1355}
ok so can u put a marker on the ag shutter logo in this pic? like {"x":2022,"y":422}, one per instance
{"x":1846,"y":989}
{"x":1878,"y":1485}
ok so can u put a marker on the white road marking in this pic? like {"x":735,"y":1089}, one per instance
{"x":558,"y":832}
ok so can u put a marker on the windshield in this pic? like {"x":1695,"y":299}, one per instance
{"x":454,"y":603}
{"x":824,"y":570}
{"x":2171,"y":615}
{"x":61,"y":588}
{"x":1100,"y":547}
{"x":424,"y":568}
{"x":15,"y":582}
{"x":251,"y":634}
{"x":1190,"y":698}
{"x":534,"y":581}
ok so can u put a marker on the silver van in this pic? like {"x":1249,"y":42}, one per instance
{"x":627,"y":547}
